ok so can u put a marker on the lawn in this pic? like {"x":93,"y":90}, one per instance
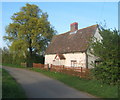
{"x":10,"y":88}
{"x":93,"y":87}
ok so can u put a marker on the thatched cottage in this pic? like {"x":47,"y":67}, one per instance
{"x":71,"y":48}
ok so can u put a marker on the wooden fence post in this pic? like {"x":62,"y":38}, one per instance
{"x":50,"y":67}
{"x":63,"y":66}
{"x":81,"y":71}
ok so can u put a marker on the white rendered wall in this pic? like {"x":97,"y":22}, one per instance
{"x":97,"y":35}
{"x":92,"y":58}
{"x":49,"y":58}
{"x":79,"y":57}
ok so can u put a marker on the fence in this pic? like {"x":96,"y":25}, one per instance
{"x":36,"y":65}
{"x":75,"y":71}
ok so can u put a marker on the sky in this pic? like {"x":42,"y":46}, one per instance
{"x":62,"y":14}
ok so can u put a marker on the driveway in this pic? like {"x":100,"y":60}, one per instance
{"x":37,"y":85}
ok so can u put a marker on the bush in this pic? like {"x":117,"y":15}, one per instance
{"x":108,"y":51}
{"x":107,"y":74}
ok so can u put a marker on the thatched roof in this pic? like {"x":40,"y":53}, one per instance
{"x":71,"y":42}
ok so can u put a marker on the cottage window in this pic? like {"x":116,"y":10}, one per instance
{"x":73,"y":63}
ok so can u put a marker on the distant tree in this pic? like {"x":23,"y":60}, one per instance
{"x":108,"y":51}
{"x":6,"y":56}
{"x":0,"y":56}
{"x":29,"y":33}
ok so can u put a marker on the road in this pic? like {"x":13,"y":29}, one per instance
{"x":37,"y":85}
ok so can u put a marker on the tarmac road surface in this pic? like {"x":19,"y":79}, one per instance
{"x":37,"y":85}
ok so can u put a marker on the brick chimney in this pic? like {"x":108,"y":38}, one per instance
{"x":74,"y":27}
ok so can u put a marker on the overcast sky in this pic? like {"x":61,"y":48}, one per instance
{"x":62,"y":14}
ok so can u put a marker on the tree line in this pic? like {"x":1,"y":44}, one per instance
{"x":9,"y":57}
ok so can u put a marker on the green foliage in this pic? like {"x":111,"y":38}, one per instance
{"x":108,"y":51}
{"x":29,"y":33}
{"x":9,"y":58}
{"x":38,"y":59}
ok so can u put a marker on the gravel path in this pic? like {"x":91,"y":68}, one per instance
{"x":37,"y":85}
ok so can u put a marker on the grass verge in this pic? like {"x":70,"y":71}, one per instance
{"x":10,"y":88}
{"x":11,"y":65}
{"x":0,"y":83}
{"x":93,"y":87}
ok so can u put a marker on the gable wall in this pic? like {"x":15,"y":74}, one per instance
{"x":97,"y":35}
{"x":92,"y":58}
{"x":49,"y":58}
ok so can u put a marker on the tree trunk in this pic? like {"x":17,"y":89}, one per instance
{"x":30,"y":60}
